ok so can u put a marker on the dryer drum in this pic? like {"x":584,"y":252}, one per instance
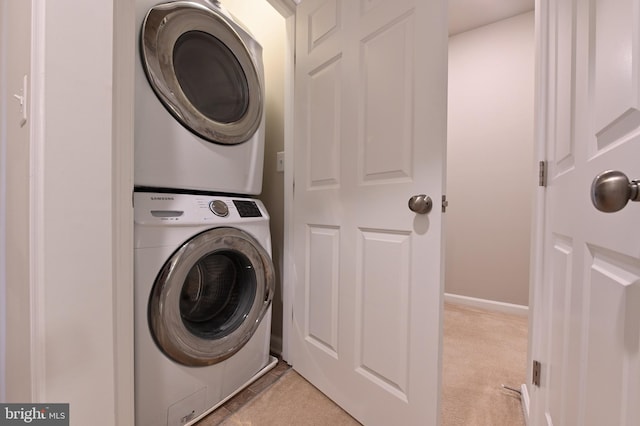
{"x":210,"y":296}
{"x":202,"y":71}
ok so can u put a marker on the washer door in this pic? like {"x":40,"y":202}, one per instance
{"x":210,"y":296}
{"x":202,"y":71}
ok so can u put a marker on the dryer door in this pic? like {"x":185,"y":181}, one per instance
{"x":210,"y":296}
{"x":202,"y":70}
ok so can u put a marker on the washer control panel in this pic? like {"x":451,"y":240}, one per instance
{"x":247,"y":208}
{"x":219,"y":208}
{"x":184,"y":209}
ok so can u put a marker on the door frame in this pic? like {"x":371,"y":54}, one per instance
{"x":287,"y":8}
{"x":537,"y":309}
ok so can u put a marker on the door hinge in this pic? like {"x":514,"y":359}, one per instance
{"x":542,"y":173}
{"x":535,"y":373}
{"x":445,"y":203}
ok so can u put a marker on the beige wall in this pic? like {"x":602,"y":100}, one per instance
{"x":490,"y":161}
{"x":268,"y":27}
{"x":15,"y":307}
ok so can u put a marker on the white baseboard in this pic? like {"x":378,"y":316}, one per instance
{"x":489,"y":305}
{"x":548,"y":417}
{"x":524,"y":400}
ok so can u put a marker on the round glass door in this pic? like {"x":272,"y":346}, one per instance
{"x":211,"y":77}
{"x":210,"y":296}
{"x":202,"y":71}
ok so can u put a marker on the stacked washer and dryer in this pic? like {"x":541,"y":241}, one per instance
{"x":204,"y":278}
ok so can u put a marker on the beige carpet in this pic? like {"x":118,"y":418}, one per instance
{"x":482,"y":350}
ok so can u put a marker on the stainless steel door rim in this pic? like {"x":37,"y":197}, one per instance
{"x":186,"y":335}
{"x":170,"y":26}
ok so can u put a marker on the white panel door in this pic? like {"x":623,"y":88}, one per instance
{"x":590,"y":292}
{"x":370,"y":96}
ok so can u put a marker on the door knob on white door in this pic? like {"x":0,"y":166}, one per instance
{"x":611,"y":191}
{"x":420,"y":204}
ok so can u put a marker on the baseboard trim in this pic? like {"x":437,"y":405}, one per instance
{"x":489,"y":305}
{"x":524,"y":400}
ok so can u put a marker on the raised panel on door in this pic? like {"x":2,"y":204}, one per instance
{"x":324,"y":108}
{"x":324,"y":21}
{"x":612,"y":386}
{"x":382,"y":309}
{"x":322,"y":281}
{"x":565,"y":351}
{"x":386,"y":102}
{"x":559,"y":298}
{"x":614,"y":70}
{"x":564,"y":73}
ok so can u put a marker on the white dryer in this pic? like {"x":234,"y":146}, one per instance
{"x":199,"y":99}
{"x":204,"y":282}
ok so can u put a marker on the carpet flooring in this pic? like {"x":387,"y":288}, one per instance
{"x":482,"y":350}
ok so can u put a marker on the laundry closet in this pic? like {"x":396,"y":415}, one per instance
{"x":203,"y":272}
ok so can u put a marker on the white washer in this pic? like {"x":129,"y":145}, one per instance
{"x":203,"y":288}
{"x":199,"y":99}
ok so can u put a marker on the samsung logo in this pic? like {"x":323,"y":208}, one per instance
{"x":162,"y":198}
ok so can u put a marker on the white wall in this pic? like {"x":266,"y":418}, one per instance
{"x":3,"y":203}
{"x":268,"y":27}
{"x":490,"y":161}
{"x":76,"y":191}
{"x":15,"y":290}
{"x":84,"y":218}
{"x":81,"y":350}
